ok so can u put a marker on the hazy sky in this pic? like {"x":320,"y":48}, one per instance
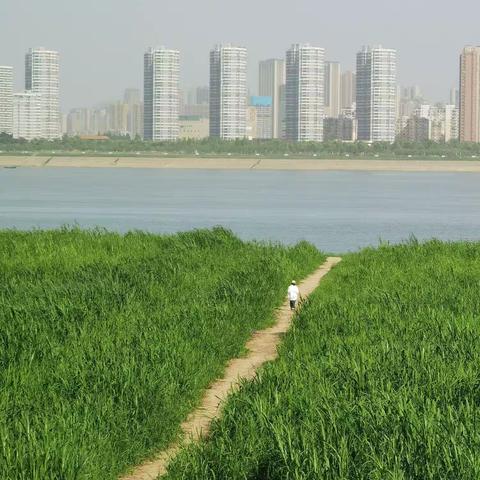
{"x":102,"y":42}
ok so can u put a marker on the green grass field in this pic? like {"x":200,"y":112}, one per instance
{"x":107,"y":341}
{"x":379,"y":379}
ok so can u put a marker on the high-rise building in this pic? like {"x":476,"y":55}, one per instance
{"x":79,"y":122}
{"x":304,"y":94}
{"x":437,"y":123}
{"x":228,"y":92}
{"x":341,"y":129}
{"x":42,"y":77}
{"x":117,"y":114}
{"x":470,"y":95}
{"x":413,"y":92}
{"x":197,"y":105}
{"x":28,"y":115}
{"x":454,"y":97}
{"x":376,"y":94}
{"x":262,"y":108}
{"x":271,"y":81}
{"x":202,"y":95}
{"x":332,"y":89}
{"x":118,"y":118}
{"x":161,"y":94}
{"x":451,"y":128}
{"x":135,"y":120}
{"x":132,"y":96}
{"x":348,"y":90}
{"x":6,"y":100}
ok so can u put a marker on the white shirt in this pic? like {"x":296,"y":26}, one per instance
{"x":293,"y":292}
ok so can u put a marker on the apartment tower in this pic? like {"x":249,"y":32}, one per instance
{"x":376,"y":94}
{"x":6,"y":100}
{"x":271,"y":81}
{"x":470,"y":95}
{"x":304,"y":93}
{"x":161,"y":94}
{"x":332,"y":89}
{"x":28,"y":115}
{"x":348,"y":90}
{"x":42,"y":69}
{"x":228,"y":92}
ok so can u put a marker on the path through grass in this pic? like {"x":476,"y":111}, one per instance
{"x":107,"y":341}
{"x":378,"y":379}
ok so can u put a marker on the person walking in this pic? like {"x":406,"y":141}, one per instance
{"x":293,"y":294}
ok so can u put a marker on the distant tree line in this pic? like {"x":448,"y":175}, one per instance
{"x":216,"y":147}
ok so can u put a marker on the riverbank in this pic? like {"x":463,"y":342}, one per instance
{"x":243,"y":164}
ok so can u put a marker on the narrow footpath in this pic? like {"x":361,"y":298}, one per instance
{"x":262,"y":347}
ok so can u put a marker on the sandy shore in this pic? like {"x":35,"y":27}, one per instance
{"x":243,"y":164}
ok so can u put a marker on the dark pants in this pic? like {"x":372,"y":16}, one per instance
{"x":293,"y":304}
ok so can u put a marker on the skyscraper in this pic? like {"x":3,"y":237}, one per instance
{"x":28,"y":115}
{"x":228,"y":92}
{"x":332,"y":89}
{"x":376,"y":94}
{"x":6,"y":100}
{"x":348,"y":90}
{"x":161,"y":94}
{"x":304,"y":93}
{"x":271,"y":79}
{"x":202,"y":95}
{"x":42,"y":69}
{"x":132,"y":96}
{"x":454,"y":97}
{"x":470,"y":94}
{"x":262,"y":107}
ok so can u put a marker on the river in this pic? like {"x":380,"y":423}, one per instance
{"x":337,"y":211}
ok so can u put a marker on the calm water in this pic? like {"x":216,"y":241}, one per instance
{"x":337,"y":211}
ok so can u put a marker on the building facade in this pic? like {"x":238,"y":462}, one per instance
{"x":42,"y":77}
{"x":28,"y":116}
{"x":470,"y":94}
{"x":304,"y":93}
{"x":79,"y":122}
{"x":271,"y":81}
{"x":436,"y":123}
{"x":348,"y":90}
{"x":340,"y":128}
{"x":6,"y":100}
{"x":118,"y":118}
{"x":260,"y":109}
{"x":161,"y":94}
{"x":193,"y":127}
{"x":333,"y":83}
{"x":228,"y":92}
{"x":202,"y":95}
{"x":376,"y":94}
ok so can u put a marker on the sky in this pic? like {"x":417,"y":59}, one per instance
{"x":102,"y":42}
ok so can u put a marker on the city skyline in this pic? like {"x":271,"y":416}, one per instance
{"x":308,"y":100}
{"x":253,"y":73}
{"x":107,"y":42}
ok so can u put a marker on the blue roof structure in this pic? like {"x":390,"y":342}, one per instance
{"x":261,"y":101}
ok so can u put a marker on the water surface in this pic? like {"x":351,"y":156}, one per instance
{"x":337,"y":211}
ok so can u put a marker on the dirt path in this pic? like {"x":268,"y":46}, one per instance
{"x":262,"y":347}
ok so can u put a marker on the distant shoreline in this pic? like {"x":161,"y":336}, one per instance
{"x":266,"y":164}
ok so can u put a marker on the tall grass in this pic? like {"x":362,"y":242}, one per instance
{"x":107,"y":341}
{"x":378,"y":379}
